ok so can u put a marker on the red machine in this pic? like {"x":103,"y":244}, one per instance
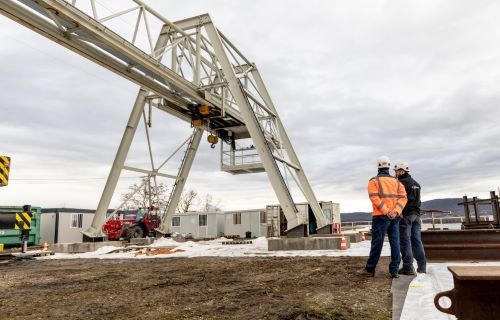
{"x":127,"y":226}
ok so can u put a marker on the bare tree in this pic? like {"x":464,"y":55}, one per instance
{"x":188,"y":201}
{"x":209,"y":204}
{"x":145,"y":194}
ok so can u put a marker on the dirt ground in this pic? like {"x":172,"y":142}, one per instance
{"x":194,"y":288}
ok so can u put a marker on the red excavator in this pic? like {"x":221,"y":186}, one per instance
{"x":129,"y":224}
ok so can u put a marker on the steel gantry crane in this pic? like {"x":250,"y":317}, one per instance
{"x":193,"y":72}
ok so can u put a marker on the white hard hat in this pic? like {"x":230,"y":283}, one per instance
{"x":384,"y":162}
{"x":402,"y":165}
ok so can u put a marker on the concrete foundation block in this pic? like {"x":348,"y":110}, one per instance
{"x":313,"y":243}
{"x":297,"y":232}
{"x":354,"y":237}
{"x":325,"y":230}
{"x":79,"y":247}
{"x":141,"y":241}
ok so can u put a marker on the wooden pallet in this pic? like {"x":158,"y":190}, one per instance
{"x":232,"y":236}
{"x":136,"y":248}
{"x":237,"y":242}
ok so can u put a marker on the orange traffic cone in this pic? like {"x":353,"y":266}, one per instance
{"x":45,"y":246}
{"x":343,"y":244}
{"x":363,"y":238}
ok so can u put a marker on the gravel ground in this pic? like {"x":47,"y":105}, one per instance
{"x":194,"y":288}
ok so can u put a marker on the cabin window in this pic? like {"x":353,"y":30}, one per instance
{"x":237,"y":218}
{"x":263,"y":218}
{"x":176,"y":221}
{"x":77,"y":220}
{"x":202,"y":220}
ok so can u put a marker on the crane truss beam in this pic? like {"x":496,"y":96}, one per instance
{"x":192,"y":64}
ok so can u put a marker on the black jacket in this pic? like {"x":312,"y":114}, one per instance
{"x":412,"y":193}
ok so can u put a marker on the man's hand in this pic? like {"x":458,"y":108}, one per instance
{"x":392,"y":214}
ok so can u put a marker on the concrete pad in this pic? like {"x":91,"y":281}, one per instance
{"x":312,"y":243}
{"x":79,"y":247}
{"x":141,"y":241}
{"x":354,"y":237}
{"x":399,"y":289}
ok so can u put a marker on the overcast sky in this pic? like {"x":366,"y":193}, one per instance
{"x":352,"y":80}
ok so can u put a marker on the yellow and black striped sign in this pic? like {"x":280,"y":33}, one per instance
{"x":23,"y":220}
{"x":4,"y":170}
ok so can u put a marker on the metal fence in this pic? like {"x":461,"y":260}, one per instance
{"x":452,"y":223}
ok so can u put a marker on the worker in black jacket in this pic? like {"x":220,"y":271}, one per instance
{"x":410,"y":226}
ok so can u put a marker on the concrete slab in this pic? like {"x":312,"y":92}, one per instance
{"x":79,"y":247}
{"x":399,"y":289}
{"x":141,"y":241}
{"x":312,"y":243}
{"x":354,"y":237}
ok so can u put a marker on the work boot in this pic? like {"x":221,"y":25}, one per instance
{"x":367,"y":273}
{"x":407,"y":272}
{"x":394,"y":275}
{"x":421,"y":270}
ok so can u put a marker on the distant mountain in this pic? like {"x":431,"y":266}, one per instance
{"x":355,"y":216}
{"x":447,"y":204}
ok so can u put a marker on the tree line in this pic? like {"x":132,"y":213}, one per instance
{"x":147,"y":194}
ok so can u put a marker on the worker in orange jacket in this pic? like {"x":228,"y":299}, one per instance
{"x":388,"y":197}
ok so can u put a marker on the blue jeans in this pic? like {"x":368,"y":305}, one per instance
{"x":380,"y":226}
{"x":410,"y":228}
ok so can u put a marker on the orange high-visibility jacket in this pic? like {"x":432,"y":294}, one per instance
{"x":386,"y":194}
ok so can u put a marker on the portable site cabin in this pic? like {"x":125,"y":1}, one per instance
{"x":277,"y":225}
{"x":245,"y":222}
{"x":331,"y":210}
{"x":199,"y":224}
{"x":64,"y":225}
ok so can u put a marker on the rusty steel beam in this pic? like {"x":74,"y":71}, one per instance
{"x":456,"y":245}
{"x":475,"y":202}
{"x":475,"y":295}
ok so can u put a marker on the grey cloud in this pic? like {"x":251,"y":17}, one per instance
{"x":351,"y":81}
